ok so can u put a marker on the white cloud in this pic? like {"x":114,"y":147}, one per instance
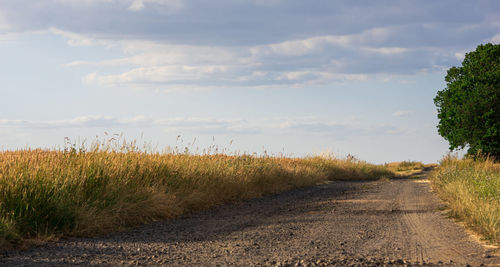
{"x":208,"y":125}
{"x":4,"y":25}
{"x":133,"y":5}
{"x":387,"y":50}
{"x":174,"y":74}
{"x":75,"y":39}
{"x":317,"y":60}
{"x":138,"y":5}
{"x":150,"y":54}
{"x":169,"y":66}
{"x":302,"y":47}
{"x":192,"y":124}
{"x":364,"y":40}
{"x":83,"y":121}
{"x":78,"y":63}
{"x":268,"y":3}
{"x":83,"y":2}
{"x":460,"y":55}
{"x":495,"y":39}
{"x":8,"y":37}
{"x":263,"y":22}
{"x":402,"y":113}
{"x":336,"y":129}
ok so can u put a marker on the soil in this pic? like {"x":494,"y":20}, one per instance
{"x":369,"y":223}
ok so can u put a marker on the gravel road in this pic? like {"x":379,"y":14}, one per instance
{"x":374,"y":223}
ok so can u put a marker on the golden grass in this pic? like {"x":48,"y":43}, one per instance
{"x":405,"y":168}
{"x":405,"y":165}
{"x":47,"y":193}
{"x":472,"y":191}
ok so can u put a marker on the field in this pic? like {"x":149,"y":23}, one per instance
{"x":409,"y":169}
{"x":472,"y":191}
{"x":46,"y":194}
{"x":403,"y":166}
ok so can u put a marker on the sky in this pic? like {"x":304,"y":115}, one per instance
{"x":276,"y":77}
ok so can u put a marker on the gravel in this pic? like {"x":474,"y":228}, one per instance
{"x":368,"y":223}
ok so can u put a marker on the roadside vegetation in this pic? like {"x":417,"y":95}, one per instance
{"x":407,"y":168}
{"x":472,"y":190}
{"x":468,"y":110}
{"x":405,"y":165}
{"x":46,"y":194}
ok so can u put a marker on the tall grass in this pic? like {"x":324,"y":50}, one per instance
{"x":47,"y":193}
{"x":403,"y":166}
{"x":472,"y":190}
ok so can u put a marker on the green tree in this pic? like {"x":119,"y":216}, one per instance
{"x":469,"y":106}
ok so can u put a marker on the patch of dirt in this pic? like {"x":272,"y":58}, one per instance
{"x":395,"y":222}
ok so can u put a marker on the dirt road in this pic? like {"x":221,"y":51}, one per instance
{"x":377,"y":223}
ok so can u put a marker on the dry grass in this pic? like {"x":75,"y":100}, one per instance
{"x":472,"y":191}
{"x":405,"y":168}
{"x":47,"y":193}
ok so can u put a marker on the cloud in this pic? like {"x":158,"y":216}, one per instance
{"x":495,"y":39}
{"x":8,"y":37}
{"x":387,"y":50}
{"x":4,"y":25}
{"x":191,"y":124}
{"x":82,"y":2}
{"x":339,"y":130}
{"x":460,"y":56}
{"x":402,"y":113}
{"x":209,"y":126}
{"x":234,"y":23}
{"x":181,"y":74}
{"x":298,"y":63}
{"x":133,"y":5}
{"x":196,"y":125}
{"x":138,"y":5}
{"x":77,"y":122}
{"x":75,"y":39}
{"x":320,"y":44}
{"x":302,"y":47}
{"x":177,"y":44}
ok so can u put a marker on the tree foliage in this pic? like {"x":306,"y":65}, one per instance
{"x":469,"y":106}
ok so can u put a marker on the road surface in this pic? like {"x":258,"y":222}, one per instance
{"x":369,"y":223}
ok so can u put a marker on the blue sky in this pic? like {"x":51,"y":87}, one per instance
{"x":281,"y":76}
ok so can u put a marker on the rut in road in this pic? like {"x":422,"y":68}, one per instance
{"x":338,"y":223}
